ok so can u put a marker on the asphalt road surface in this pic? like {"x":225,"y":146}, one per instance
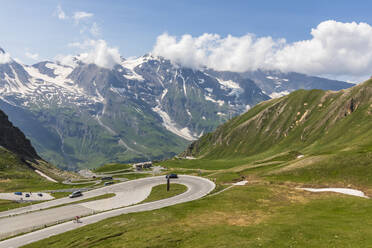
{"x":127,"y":193}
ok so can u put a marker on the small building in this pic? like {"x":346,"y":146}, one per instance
{"x":143,"y":165}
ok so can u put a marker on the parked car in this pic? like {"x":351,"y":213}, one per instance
{"x":40,"y":194}
{"x":27,"y":195}
{"x":18,"y":193}
{"x":106,"y":178}
{"x":171,"y":176}
{"x":108,"y":183}
{"x":75,"y":194}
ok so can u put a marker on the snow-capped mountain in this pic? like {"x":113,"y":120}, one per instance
{"x":143,"y":108}
{"x":277,"y":84}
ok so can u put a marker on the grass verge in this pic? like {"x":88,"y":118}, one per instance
{"x":245,"y":216}
{"x":160,"y":192}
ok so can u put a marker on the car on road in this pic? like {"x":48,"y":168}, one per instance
{"x":40,"y":194}
{"x":18,"y":193}
{"x":171,"y":176}
{"x":108,"y":183}
{"x":27,"y":195}
{"x":75,"y":194}
{"x":106,"y":178}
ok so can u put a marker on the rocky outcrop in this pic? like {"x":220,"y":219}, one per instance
{"x":14,"y":140}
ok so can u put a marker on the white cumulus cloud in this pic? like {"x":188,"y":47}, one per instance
{"x":68,"y":60}
{"x":33,"y":56}
{"x":94,"y":52}
{"x":5,"y":58}
{"x":335,"y":49}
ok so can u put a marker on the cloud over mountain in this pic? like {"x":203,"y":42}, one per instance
{"x":4,"y":57}
{"x":336,"y":48}
{"x":94,"y":52}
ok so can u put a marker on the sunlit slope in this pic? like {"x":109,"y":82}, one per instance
{"x":312,"y":122}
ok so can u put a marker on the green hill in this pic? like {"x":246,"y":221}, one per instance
{"x":332,"y":131}
{"x":310,"y":122}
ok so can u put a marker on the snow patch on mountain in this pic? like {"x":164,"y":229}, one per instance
{"x":61,"y":71}
{"x":165,"y":91}
{"x":188,"y":112}
{"x":220,"y":102}
{"x":279,"y":94}
{"x":171,"y":126}
{"x":233,"y":86}
{"x":60,"y":80}
{"x":184,"y":85}
{"x":30,"y":86}
{"x":131,"y":64}
{"x":228,"y":84}
{"x":14,"y":84}
{"x":119,"y":91}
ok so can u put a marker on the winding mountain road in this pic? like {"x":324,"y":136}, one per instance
{"x":126,"y":194}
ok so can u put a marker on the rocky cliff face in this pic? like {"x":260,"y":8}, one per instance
{"x":14,"y":140}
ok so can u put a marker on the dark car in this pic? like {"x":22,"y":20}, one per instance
{"x":40,"y":194}
{"x":171,"y":176}
{"x":27,"y":195}
{"x":108,"y":183}
{"x":75,"y":194}
{"x":106,"y":178}
{"x":18,"y":193}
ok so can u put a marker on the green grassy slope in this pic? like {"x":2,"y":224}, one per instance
{"x":312,"y":122}
{"x":247,"y":216}
{"x":333,"y":130}
{"x":18,"y":175}
{"x":112,"y":167}
{"x":160,"y":192}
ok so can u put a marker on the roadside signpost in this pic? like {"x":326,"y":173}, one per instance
{"x":168,"y":183}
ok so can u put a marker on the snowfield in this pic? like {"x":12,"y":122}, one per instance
{"x":345,"y":191}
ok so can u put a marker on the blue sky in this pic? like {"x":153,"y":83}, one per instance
{"x":33,"y":27}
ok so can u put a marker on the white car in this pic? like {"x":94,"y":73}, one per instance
{"x":75,"y":194}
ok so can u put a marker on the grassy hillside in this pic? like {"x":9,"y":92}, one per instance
{"x":16,"y":174}
{"x":112,"y":167}
{"x":246,"y":216}
{"x":311,"y":122}
{"x":314,"y":137}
